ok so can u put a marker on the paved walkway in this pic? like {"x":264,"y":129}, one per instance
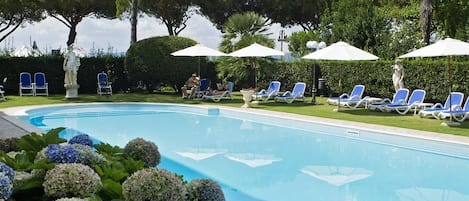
{"x":12,"y":127}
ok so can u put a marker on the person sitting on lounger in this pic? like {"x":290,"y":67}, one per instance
{"x":221,"y":88}
{"x":191,"y":85}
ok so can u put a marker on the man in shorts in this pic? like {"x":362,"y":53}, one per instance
{"x":191,"y":85}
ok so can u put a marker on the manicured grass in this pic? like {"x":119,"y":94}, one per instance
{"x":319,"y":110}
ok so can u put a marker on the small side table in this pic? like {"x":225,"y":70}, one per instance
{"x":372,"y":100}
{"x":421,"y":106}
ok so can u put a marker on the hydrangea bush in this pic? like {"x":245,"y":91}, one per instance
{"x":86,"y":155}
{"x":71,"y":179}
{"x":153,"y":184}
{"x":143,"y":150}
{"x":7,"y":171}
{"x":7,"y":174}
{"x":6,"y":187}
{"x":61,"y":154}
{"x":83,"y":139}
{"x":204,"y":190}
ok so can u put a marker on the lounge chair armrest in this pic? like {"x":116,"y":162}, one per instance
{"x":287,"y":93}
{"x":386,"y":100}
{"x":344,"y":95}
{"x":356,"y":98}
{"x":438,"y":105}
{"x":262,"y":91}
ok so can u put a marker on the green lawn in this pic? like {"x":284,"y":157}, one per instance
{"x":320,"y":110}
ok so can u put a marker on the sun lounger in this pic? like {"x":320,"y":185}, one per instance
{"x":400,"y":97}
{"x":457,"y":113}
{"x":270,"y":93}
{"x":354,"y":97}
{"x":453,"y":100}
{"x":224,"y":95}
{"x":417,"y":97}
{"x":298,"y":92}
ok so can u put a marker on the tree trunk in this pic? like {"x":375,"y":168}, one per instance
{"x":426,"y":20}
{"x":72,"y":34}
{"x":133,"y":22}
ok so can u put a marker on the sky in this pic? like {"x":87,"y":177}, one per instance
{"x":104,"y":33}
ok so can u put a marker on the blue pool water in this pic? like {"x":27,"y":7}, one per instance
{"x":260,"y":157}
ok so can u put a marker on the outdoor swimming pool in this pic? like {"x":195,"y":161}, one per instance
{"x":267,"y":157}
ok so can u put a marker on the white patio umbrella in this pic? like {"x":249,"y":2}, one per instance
{"x":341,"y":51}
{"x":256,"y":50}
{"x":198,"y":50}
{"x":447,"y":47}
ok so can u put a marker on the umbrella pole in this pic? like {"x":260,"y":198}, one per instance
{"x":199,"y":70}
{"x":340,"y":91}
{"x":451,"y":122}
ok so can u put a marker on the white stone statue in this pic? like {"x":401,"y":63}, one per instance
{"x":398,"y":75}
{"x":71,"y":66}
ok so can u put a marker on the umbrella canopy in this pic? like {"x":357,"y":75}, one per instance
{"x":198,"y":50}
{"x":341,"y":51}
{"x":256,"y":50}
{"x":447,"y":47}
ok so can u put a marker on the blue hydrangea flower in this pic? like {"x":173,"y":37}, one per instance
{"x":83,"y":139}
{"x":61,"y":154}
{"x":7,"y":171}
{"x":6,"y":187}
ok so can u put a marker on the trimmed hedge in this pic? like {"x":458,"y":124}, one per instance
{"x":427,"y":74}
{"x":52,"y":66}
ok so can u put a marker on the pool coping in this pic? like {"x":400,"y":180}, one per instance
{"x":8,"y":116}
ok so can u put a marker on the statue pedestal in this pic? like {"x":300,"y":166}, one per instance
{"x":71,"y":91}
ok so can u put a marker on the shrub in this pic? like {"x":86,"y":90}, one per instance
{"x":141,"y":149}
{"x":86,"y":155}
{"x":61,"y":154}
{"x":71,"y":179}
{"x":153,"y":184}
{"x":8,"y":144}
{"x":83,"y":139}
{"x":149,"y":60}
{"x":7,"y":171}
{"x":204,"y":190}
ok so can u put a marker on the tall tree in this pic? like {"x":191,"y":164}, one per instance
{"x":451,"y":18}
{"x":426,"y":20}
{"x":72,"y":12}
{"x":218,"y":11}
{"x":13,"y":14}
{"x":241,"y":30}
{"x":173,"y":14}
{"x":363,"y":28}
{"x":306,"y":14}
{"x":129,"y":6}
